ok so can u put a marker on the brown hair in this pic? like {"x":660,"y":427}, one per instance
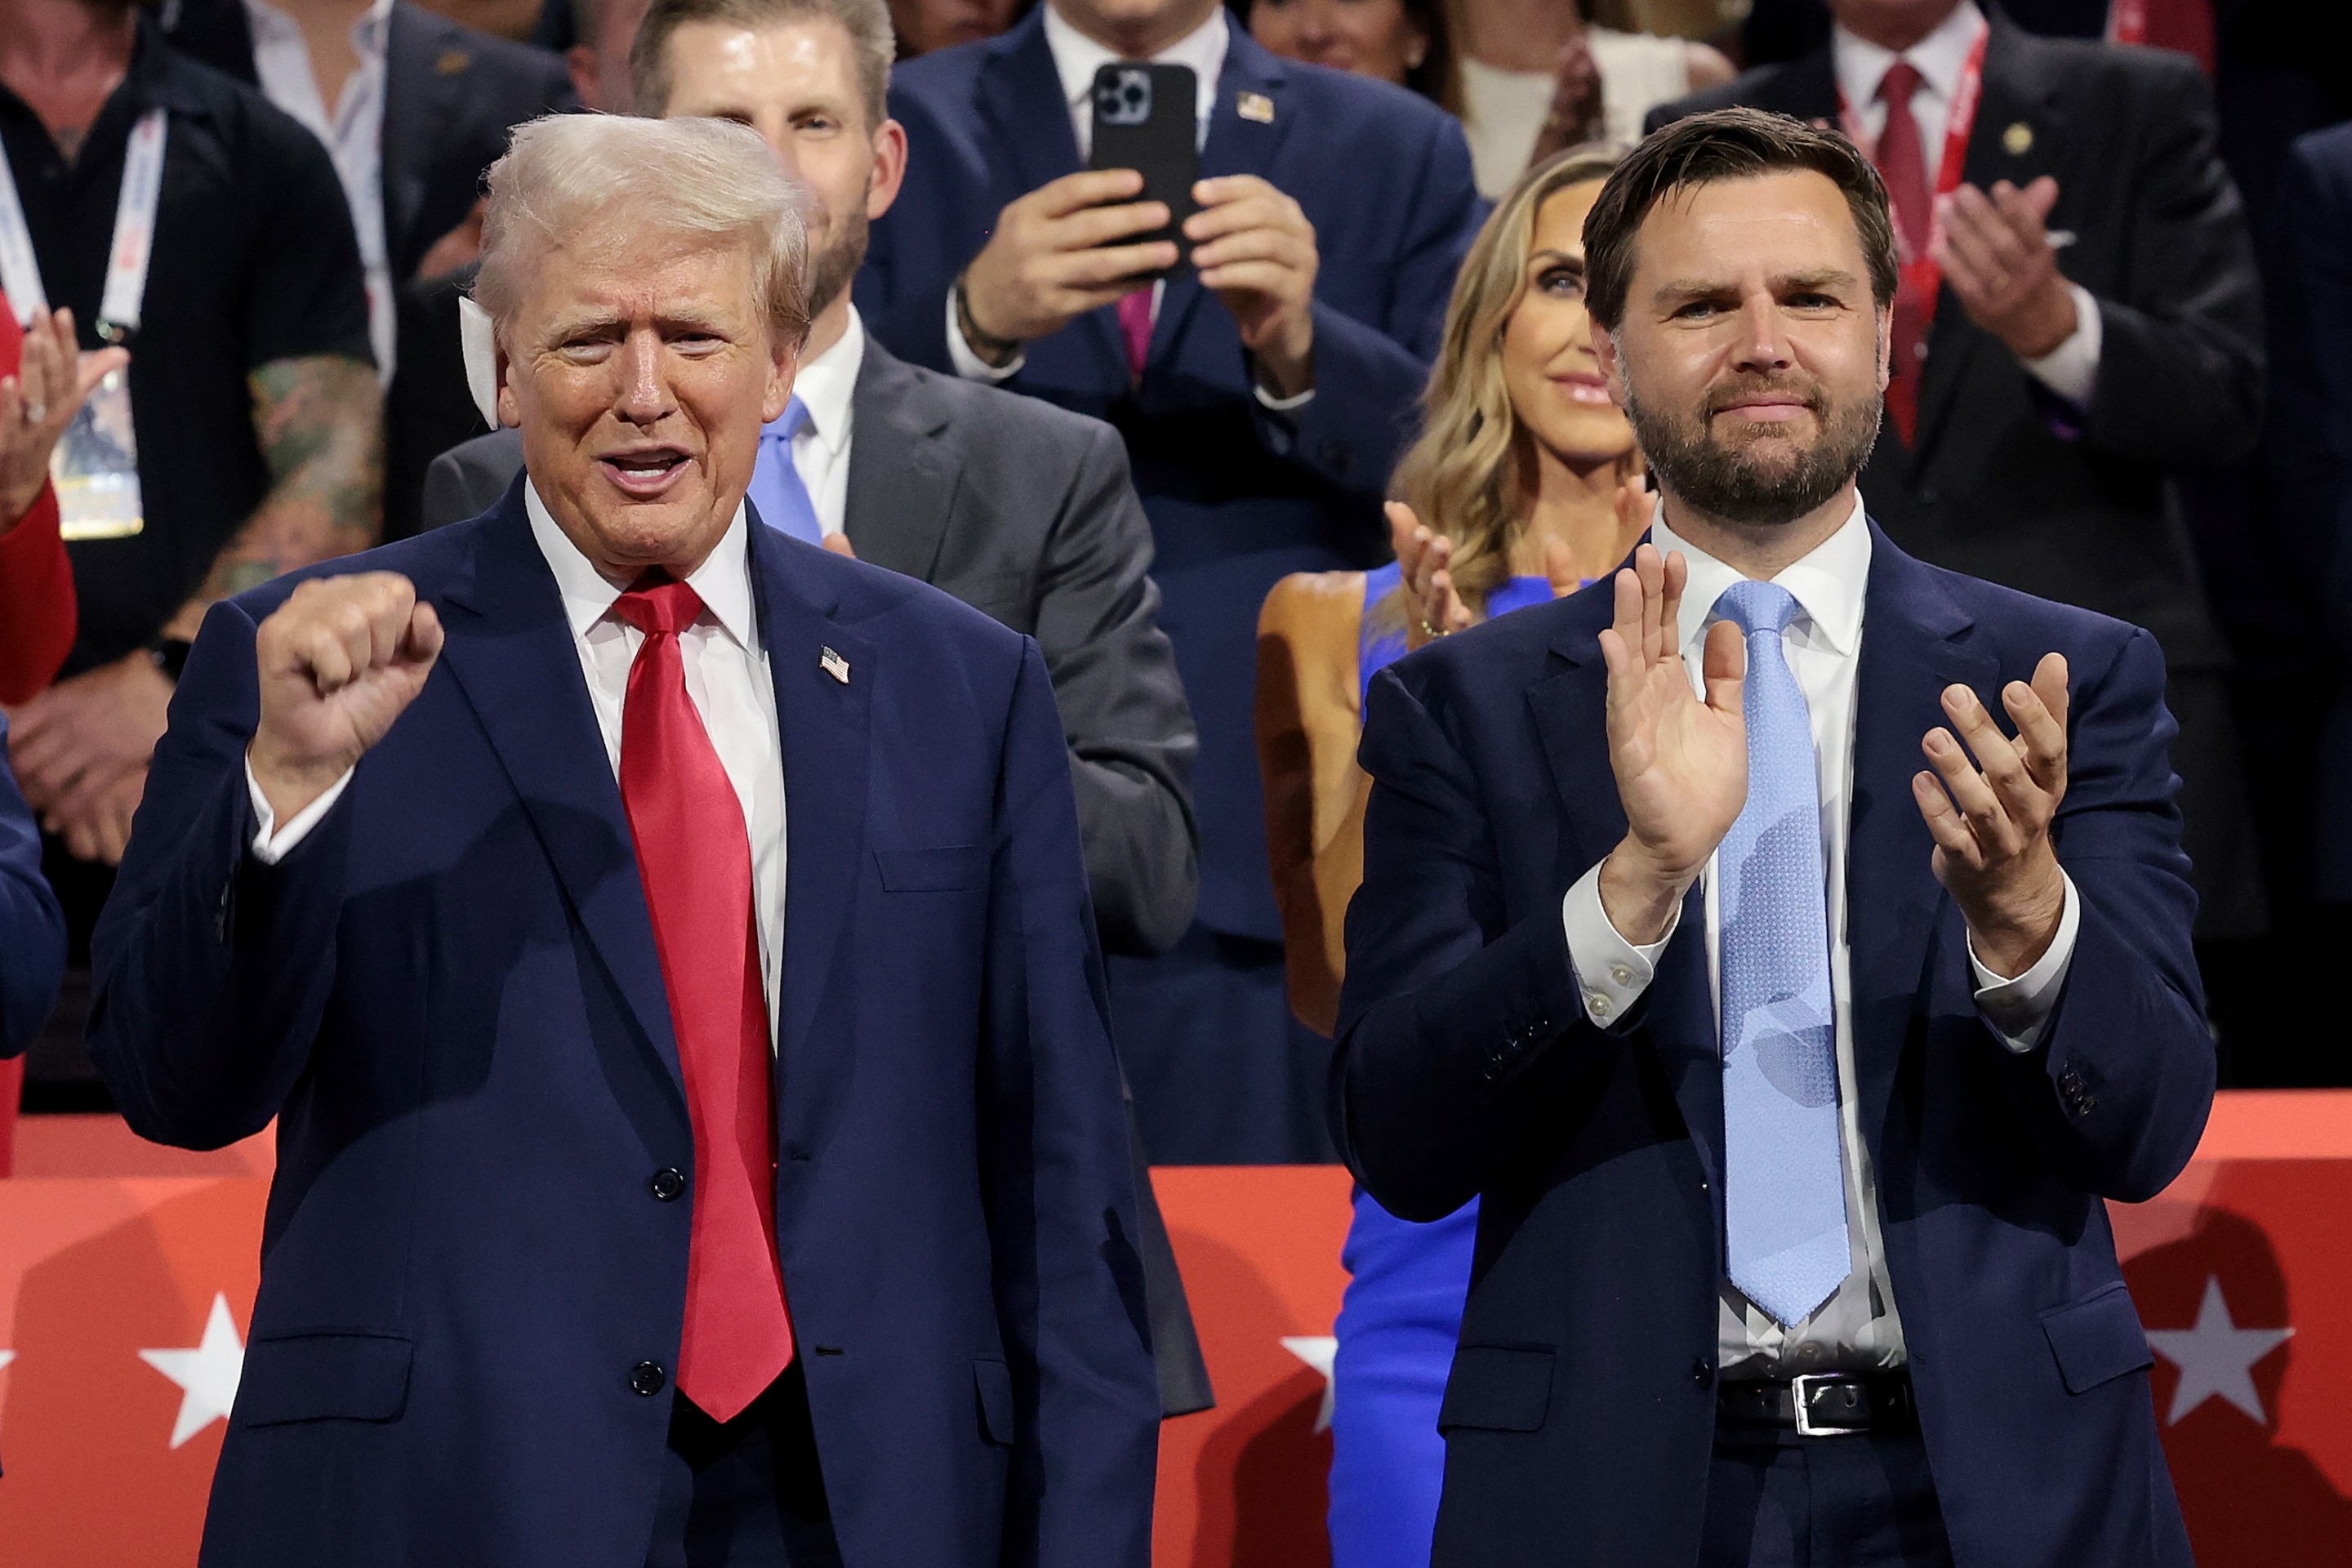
{"x":867,"y":23}
{"x":1462,"y":477}
{"x":1728,"y":144}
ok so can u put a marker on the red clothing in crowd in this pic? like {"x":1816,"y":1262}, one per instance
{"x":36,"y":629}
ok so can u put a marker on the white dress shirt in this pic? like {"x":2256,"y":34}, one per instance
{"x":827,"y":385}
{"x":353,"y":135}
{"x":1077,"y":58}
{"x":726,"y":676}
{"x":1858,"y":1329}
{"x":2071,"y":369}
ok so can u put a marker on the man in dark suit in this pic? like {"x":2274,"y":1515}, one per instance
{"x":1017,"y":507}
{"x":1263,"y":397}
{"x":2099,"y":327}
{"x":428,"y":114}
{"x":1792,"y":1036}
{"x":664,"y":947}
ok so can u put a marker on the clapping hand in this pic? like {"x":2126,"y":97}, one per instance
{"x":339,"y":661}
{"x":1681,"y":762}
{"x":1433,"y":608}
{"x":36,"y":403}
{"x":1996,"y":255}
{"x":1990,"y":818}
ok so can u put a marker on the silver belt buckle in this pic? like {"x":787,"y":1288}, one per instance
{"x":1805,"y":1428}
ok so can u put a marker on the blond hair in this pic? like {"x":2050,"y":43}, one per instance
{"x":1462,"y":476}
{"x":595,"y":181}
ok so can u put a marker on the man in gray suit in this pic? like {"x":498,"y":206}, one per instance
{"x":1017,"y":507}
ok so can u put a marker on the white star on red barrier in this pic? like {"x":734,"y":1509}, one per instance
{"x":2216,"y":1357}
{"x":207,"y":1375}
{"x":1316,"y":1350}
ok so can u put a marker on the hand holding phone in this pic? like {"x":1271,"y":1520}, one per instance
{"x":1256,"y":249}
{"x":1067,"y":247}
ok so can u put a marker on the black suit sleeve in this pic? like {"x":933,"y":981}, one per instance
{"x":1130,"y":731}
{"x":2180,"y":361}
{"x":32,"y":931}
{"x":1454,"y":1028}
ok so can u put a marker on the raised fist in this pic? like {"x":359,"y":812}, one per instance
{"x":341,"y":659}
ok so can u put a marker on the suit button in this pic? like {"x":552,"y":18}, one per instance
{"x":647,"y":1378}
{"x":669,"y":1186}
{"x":1703,"y":1373}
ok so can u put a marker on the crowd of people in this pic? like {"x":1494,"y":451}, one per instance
{"x":1222,"y":468}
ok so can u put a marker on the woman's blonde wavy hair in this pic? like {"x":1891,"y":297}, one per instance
{"x":1464,"y":477}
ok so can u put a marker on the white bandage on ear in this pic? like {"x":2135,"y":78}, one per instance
{"x":480,"y":342}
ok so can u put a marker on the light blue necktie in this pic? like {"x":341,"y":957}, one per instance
{"x":776,"y":490}
{"x":1784,"y":1192}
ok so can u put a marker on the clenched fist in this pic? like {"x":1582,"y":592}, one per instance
{"x":341,"y":659}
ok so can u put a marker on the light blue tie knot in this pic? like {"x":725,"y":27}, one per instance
{"x":1754,"y":606}
{"x":777,"y":493}
{"x":1784,"y":1184}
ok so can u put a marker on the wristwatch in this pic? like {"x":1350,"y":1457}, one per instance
{"x":171,"y":656}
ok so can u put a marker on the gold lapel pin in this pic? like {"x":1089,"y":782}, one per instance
{"x":833,"y":664}
{"x":453,"y":62}
{"x":1255,"y":106}
{"x":2017,"y":140}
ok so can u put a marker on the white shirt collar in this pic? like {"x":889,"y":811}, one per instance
{"x":1829,"y":582}
{"x":367,"y":33}
{"x":1938,"y":57}
{"x":1077,"y":58}
{"x":826,"y":385}
{"x":723,"y":581}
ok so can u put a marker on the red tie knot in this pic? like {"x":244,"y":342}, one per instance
{"x":1901,"y":80}
{"x":658,"y":604}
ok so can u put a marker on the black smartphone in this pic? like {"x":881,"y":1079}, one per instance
{"x":1144,"y":120}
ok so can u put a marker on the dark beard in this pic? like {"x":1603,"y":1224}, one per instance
{"x":1720,"y":481}
{"x":831,"y":269}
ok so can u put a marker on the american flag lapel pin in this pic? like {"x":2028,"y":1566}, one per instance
{"x":1255,"y":105}
{"x":833,"y":664}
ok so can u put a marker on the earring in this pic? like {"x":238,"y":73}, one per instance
{"x":1414,"y":55}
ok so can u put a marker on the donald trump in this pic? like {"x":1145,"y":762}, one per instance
{"x":665,"y":948}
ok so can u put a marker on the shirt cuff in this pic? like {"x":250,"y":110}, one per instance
{"x":2017,"y":1009}
{"x":970,"y":365}
{"x":271,"y":843}
{"x":1612,"y":974}
{"x":2071,"y":369}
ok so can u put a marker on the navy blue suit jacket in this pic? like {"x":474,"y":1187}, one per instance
{"x":32,"y":931}
{"x":449,"y":996}
{"x":1238,"y":497}
{"x":1580,"y":1410}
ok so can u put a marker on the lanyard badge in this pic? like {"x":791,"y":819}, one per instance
{"x":95,"y":467}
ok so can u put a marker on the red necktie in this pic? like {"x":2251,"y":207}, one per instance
{"x":1903,"y":164}
{"x":1135,"y":326}
{"x":695,"y":859}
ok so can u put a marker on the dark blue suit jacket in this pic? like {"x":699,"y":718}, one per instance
{"x":32,"y":931}
{"x":1580,"y":1410}
{"x":1238,"y":497}
{"x":449,"y":994}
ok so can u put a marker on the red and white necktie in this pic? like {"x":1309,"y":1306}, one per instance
{"x":1902,"y":159}
{"x":694,"y":855}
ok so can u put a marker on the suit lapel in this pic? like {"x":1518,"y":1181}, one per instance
{"x":827,"y":735}
{"x":1020,"y":94}
{"x":903,"y":480}
{"x":512,"y":655}
{"x":1236,"y":144}
{"x":1568,"y":708}
{"x":1912,"y":647}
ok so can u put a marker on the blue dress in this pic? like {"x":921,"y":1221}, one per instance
{"x":1402,"y":1310}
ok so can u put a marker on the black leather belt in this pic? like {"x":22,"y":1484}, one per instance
{"x":1821,"y":1405}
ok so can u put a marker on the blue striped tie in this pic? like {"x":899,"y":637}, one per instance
{"x":1784,"y":1191}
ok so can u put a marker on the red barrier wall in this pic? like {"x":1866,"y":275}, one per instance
{"x":127,"y":1276}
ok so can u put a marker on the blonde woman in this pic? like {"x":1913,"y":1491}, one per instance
{"x":1523,"y":485}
